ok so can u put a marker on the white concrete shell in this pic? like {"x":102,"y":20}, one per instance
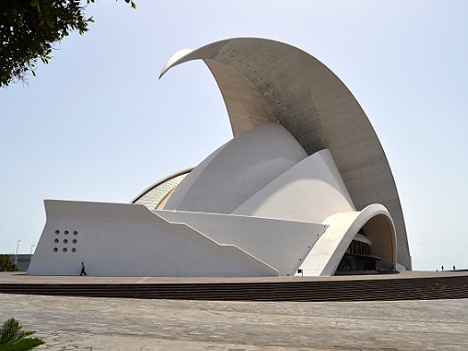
{"x":267,"y":81}
{"x":237,"y":171}
{"x":303,"y":182}
{"x":310,"y":191}
{"x":342,"y":228}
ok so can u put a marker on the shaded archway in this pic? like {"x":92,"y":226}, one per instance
{"x":380,"y":231}
{"x":329,"y":250}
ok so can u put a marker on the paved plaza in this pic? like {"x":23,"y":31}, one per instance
{"x":77,"y":323}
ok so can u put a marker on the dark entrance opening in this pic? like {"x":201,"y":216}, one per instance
{"x":358,"y":259}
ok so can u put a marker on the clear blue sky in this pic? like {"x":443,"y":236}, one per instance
{"x":97,"y":125}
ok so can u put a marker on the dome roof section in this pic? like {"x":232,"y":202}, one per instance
{"x":158,"y":193}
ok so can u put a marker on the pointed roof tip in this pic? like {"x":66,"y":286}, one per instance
{"x":174,"y":60}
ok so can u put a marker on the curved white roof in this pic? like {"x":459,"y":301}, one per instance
{"x":155,"y":194}
{"x":264,"y":81}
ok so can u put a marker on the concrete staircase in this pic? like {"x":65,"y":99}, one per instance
{"x":428,"y":288}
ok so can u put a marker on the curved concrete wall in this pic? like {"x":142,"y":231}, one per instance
{"x":325,"y":256}
{"x":380,"y":231}
{"x":310,"y":191}
{"x":237,"y":171}
{"x":181,"y":190}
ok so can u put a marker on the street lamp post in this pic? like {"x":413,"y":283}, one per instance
{"x":16,"y":258}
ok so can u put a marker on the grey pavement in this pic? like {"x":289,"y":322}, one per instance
{"x":19,"y":278}
{"x":77,"y":323}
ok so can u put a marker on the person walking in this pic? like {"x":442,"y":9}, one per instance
{"x":83,"y":269}
{"x":442,"y":267}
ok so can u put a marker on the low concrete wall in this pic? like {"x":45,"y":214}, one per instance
{"x":130,"y":240}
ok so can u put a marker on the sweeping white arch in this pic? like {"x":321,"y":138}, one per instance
{"x":326,"y":254}
{"x":263,"y":81}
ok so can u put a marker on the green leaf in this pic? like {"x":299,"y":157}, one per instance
{"x":22,"y":345}
{"x":33,"y":30}
{"x":49,"y":23}
{"x":13,"y":338}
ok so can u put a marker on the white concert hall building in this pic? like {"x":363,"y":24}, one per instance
{"x":303,"y":186}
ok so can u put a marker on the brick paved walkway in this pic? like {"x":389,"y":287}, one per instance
{"x":76,"y":323}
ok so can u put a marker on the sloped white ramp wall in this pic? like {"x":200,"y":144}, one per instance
{"x":281,"y":244}
{"x":130,"y":240}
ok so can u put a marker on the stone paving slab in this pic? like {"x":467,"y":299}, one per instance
{"x":77,"y":323}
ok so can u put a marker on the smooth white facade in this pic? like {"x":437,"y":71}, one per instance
{"x":292,"y":190}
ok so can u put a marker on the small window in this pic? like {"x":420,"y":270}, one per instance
{"x":56,"y":241}
{"x":75,"y":233}
{"x":64,"y":249}
{"x":73,"y":250}
{"x":65,"y":232}
{"x":65,"y":241}
{"x":57,"y":232}
{"x":74,"y":241}
{"x":55,"y":249}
